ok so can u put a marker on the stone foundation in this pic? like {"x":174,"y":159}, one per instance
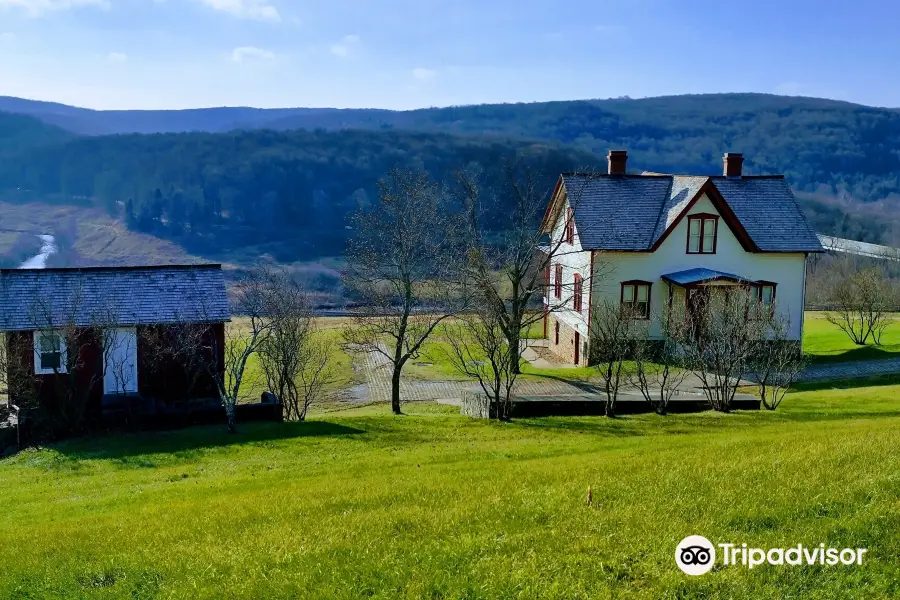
{"x":565,"y":349}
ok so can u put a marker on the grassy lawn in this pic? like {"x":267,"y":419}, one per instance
{"x":825,"y":343}
{"x":434,"y":505}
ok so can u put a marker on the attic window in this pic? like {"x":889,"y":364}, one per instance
{"x":570,"y":227}
{"x":49,"y":353}
{"x":703,"y":232}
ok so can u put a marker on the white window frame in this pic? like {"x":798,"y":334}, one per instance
{"x":38,"y":365}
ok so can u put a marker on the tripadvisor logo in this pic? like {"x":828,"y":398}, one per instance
{"x":696,"y":555}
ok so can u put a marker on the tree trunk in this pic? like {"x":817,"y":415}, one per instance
{"x":610,"y":408}
{"x":229,"y":412}
{"x":395,"y":391}
{"x":515,"y":356}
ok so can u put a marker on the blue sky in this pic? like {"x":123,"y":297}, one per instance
{"x":414,"y":53}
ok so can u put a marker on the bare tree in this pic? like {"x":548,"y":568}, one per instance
{"x":776,"y":360}
{"x":401,"y":267}
{"x":614,"y":330}
{"x":722,"y":336}
{"x":479,"y":349}
{"x":294,"y":356}
{"x":861,"y":301}
{"x":504,"y":263}
{"x":225,"y":361}
{"x":659,"y":365}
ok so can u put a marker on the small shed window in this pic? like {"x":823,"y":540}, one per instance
{"x":49,"y":352}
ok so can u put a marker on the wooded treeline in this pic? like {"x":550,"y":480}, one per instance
{"x":299,"y":183}
{"x":215,"y":190}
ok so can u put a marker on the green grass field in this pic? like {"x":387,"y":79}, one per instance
{"x":363,"y":504}
{"x":825,"y":343}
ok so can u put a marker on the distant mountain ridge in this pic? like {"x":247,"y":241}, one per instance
{"x":286,"y":179}
{"x":822,"y":146}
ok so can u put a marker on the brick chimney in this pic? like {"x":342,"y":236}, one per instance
{"x":617,"y":160}
{"x":733,"y":162}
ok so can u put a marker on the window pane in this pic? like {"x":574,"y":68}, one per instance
{"x":50,"y":360}
{"x":641,"y":309}
{"x":709,"y":233}
{"x":767,"y":293}
{"x":643,"y":291}
{"x":693,"y":235}
{"x":50,"y":343}
{"x":627,"y":293}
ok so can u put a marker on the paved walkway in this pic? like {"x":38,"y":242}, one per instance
{"x":376,"y":371}
{"x":849,"y":370}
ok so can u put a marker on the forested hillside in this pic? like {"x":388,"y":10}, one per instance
{"x":214,"y":191}
{"x":292,"y":186}
{"x":821,"y":145}
{"x":19,"y":133}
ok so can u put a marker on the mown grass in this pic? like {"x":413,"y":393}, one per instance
{"x":826,"y":343}
{"x":434,"y":505}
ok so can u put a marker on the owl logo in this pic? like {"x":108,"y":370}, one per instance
{"x":695,"y":555}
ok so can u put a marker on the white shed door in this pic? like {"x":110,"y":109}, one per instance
{"x":121,"y":362}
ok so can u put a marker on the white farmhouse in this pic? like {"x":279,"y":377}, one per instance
{"x":641,"y":240}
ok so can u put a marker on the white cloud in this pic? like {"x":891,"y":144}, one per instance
{"x":345,"y":47}
{"x":37,"y":8}
{"x":259,"y":10}
{"x":423,"y":74}
{"x":117,"y":57}
{"x":249,"y":54}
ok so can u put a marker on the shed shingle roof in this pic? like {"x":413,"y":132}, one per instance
{"x":632,"y":212}
{"x":30,"y":298}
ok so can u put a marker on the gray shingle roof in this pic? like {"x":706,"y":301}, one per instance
{"x":29,"y":298}
{"x":767,"y":209}
{"x":632,"y":212}
{"x":614,"y":212}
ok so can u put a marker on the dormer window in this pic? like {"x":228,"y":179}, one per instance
{"x":570,"y":227}
{"x":702,"y":234}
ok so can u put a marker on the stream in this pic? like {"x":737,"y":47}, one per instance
{"x":39,"y":261}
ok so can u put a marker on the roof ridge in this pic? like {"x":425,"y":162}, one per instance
{"x":662,"y":210}
{"x":113,"y":268}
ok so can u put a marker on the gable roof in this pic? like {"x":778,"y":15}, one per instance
{"x":636,"y":212}
{"x":31,"y":298}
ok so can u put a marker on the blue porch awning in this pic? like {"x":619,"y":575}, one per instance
{"x":702,"y":275}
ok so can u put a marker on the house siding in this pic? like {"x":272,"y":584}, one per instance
{"x":162,"y":381}
{"x":88,"y":379}
{"x":574,"y":260}
{"x":787,"y":270}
